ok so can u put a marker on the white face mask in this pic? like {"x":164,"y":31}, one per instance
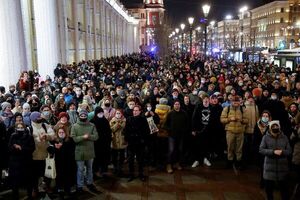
{"x":149,"y":109}
{"x":274,"y":97}
{"x":100,"y":115}
{"x":194,"y":92}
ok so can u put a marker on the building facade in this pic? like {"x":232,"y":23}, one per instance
{"x":150,"y":14}
{"x":36,"y":35}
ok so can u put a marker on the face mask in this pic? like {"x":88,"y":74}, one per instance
{"x":194,"y":92}
{"x":20,"y":129}
{"x":118,"y":116}
{"x":46,"y":114}
{"x":107,"y":104}
{"x":149,"y":109}
{"x":39,"y":121}
{"x":265,"y":119}
{"x":275,"y":130}
{"x":82,"y":119}
{"x":241,"y":83}
{"x":100,"y":115}
{"x":273,"y":97}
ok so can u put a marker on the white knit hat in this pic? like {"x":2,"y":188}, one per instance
{"x":271,"y":123}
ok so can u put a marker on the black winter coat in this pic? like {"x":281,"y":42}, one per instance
{"x":20,"y":161}
{"x":136,"y":130}
{"x":3,"y":146}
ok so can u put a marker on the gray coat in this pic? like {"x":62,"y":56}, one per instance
{"x":295,"y":138}
{"x":275,"y":167}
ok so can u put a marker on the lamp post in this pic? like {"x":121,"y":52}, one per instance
{"x":177,"y":31}
{"x":242,"y":10}
{"x":212,"y":24}
{"x":182,"y":26}
{"x":205,"y":9}
{"x":191,"y":21}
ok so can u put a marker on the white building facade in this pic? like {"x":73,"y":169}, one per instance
{"x":38,"y":34}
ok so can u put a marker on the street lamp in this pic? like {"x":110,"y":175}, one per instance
{"x":205,"y":9}
{"x":182,"y":26}
{"x":191,"y":21}
{"x":242,"y":10}
{"x":177,"y":31}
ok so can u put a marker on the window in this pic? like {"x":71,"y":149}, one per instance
{"x":281,"y":20}
{"x":282,"y":10}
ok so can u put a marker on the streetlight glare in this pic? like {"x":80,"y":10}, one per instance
{"x":243,"y":9}
{"x":206,"y":9}
{"x":198,"y":28}
{"x":212,"y":23}
{"x":177,"y":30}
{"x":228,"y":17}
{"x":182,"y":26}
{"x":191,"y":20}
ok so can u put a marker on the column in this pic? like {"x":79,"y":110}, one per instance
{"x":46,"y":25}
{"x":63,"y":31}
{"x":76,"y":33}
{"x":12,"y":48}
{"x":87,"y":29}
{"x":96,"y":55}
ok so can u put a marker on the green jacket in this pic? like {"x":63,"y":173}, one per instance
{"x":84,"y":147}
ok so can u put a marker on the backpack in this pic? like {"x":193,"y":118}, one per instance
{"x":241,"y":109}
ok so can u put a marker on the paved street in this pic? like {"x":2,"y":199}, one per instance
{"x":189,"y":184}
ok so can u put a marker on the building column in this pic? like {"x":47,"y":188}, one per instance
{"x":63,"y":31}
{"x":76,"y":33}
{"x":96,"y":55}
{"x":47,"y":38}
{"x":12,"y":48}
{"x":87,"y":29}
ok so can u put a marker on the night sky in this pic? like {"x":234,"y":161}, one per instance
{"x":179,"y":10}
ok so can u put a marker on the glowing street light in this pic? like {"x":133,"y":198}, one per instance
{"x":191,"y":21}
{"x":206,"y":9}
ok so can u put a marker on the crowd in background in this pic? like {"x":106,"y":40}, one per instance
{"x":168,"y":113}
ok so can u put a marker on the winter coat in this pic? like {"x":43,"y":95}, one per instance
{"x":252,"y":114}
{"x":177,"y":123}
{"x":162,"y":112}
{"x":275,"y":167}
{"x":3,"y":146}
{"x":84,"y":149}
{"x":136,"y":130}
{"x":41,"y":152}
{"x":237,"y":127}
{"x":117,"y":127}
{"x":295,"y":139}
{"x":65,"y":162}
{"x":73,"y":116}
{"x":20,"y":161}
{"x":26,"y":118}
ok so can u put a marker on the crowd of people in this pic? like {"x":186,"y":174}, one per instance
{"x":165,"y":113}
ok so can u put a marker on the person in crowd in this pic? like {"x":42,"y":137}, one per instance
{"x":151,"y":143}
{"x":48,"y":116}
{"x":276,"y":149}
{"x":278,"y":112}
{"x":64,"y":148}
{"x":103,"y":143}
{"x":21,"y":146}
{"x":252,"y":114}
{"x":6,"y":114}
{"x":136,"y":132}
{"x":177,"y":126}
{"x":295,"y":140}
{"x":234,"y":119}
{"x":128,"y":111}
{"x":42,"y":133}
{"x":26,"y":114}
{"x":84,"y":135}
{"x":109,"y":111}
{"x":63,"y":123}
{"x":260,"y":129}
{"x":201,"y":131}
{"x":118,"y":143}
{"x":72,"y":113}
{"x":3,"y":149}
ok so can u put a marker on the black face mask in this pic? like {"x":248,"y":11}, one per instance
{"x":107,"y":104}
{"x":83,"y":119}
{"x":39,"y":121}
{"x":275,"y":130}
